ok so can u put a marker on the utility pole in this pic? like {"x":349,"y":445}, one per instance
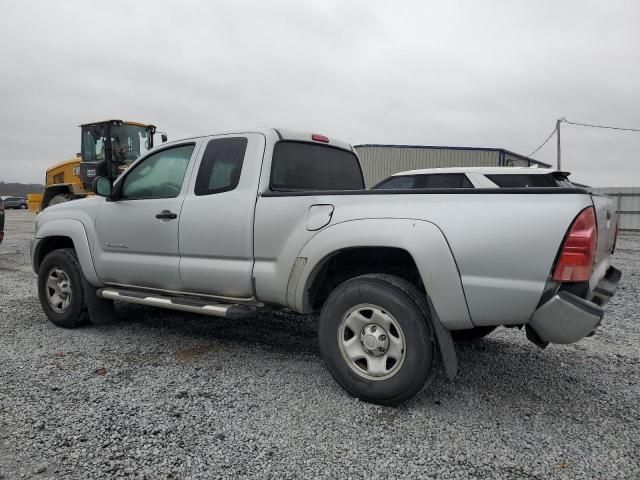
{"x":558,"y":158}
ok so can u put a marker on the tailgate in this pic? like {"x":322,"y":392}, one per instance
{"x":607,"y":220}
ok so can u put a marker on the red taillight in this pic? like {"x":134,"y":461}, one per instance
{"x":578,"y":253}
{"x":316,"y":137}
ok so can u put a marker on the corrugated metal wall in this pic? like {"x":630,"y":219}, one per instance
{"x":628,"y":205}
{"x":515,"y":161}
{"x":381,"y":161}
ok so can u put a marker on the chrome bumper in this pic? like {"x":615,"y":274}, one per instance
{"x":566,"y":318}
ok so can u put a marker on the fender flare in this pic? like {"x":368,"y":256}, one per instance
{"x":73,"y":229}
{"x":423,"y":240}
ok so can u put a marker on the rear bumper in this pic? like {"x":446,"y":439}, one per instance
{"x":566,"y":318}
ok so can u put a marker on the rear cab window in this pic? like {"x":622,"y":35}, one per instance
{"x":300,"y":166}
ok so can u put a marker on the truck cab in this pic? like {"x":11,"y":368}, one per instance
{"x":209,"y":185}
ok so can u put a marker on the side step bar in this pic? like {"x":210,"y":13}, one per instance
{"x":224,"y":310}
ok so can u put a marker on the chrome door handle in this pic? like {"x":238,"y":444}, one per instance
{"x":167,"y":215}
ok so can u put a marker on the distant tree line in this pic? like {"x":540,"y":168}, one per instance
{"x":20,"y":189}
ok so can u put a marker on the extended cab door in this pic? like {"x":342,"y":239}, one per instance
{"x":293,"y":207}
{"x":216,"y":224}
{"x":136,"y":241}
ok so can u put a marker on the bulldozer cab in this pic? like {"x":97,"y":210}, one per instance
{"x":109,"y":147}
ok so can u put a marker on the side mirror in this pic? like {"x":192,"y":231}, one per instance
{"x":102,"y":186}
{"x":164,"y":137}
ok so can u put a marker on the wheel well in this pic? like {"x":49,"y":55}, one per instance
{"x":50,"y":244}
{"x":353,"y":262}
{"x":52,"y":191}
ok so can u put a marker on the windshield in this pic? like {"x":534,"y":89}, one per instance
{"x":128,"y":142}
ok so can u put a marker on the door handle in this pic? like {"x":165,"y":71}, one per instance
{"x":167,"y":215}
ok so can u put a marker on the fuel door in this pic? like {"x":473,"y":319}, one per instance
{"x":319,"y":216}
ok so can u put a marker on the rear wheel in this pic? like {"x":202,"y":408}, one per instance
{"x":23,"y":206}
{"x":471,"y":334}
{"x":377,"y":340}
{"x":60,"y":289}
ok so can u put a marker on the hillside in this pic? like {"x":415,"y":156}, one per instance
{"x":20,"y":189}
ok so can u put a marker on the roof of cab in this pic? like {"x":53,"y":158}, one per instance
{"x":297,"y":136}
{"x":281,"y":133}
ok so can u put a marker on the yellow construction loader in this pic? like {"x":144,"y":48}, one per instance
{"x":107,"y":149}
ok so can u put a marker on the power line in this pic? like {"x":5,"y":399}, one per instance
{"x":590,"y":125}
{"x":553,"y":132}
{"x":602,"y":126}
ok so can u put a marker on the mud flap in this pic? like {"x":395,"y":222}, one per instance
{"x":100,"y":310}
{"x":445,"y":342}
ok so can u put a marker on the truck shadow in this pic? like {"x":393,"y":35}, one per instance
{"x":504,"y":375}
{"x":280,"y":331}
{"x":502,"y":365}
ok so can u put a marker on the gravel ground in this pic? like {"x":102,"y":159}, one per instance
{"x":160,"y":394}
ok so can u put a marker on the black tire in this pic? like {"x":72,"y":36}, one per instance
{"x":23,"y":206}
{"x":61,"y":198}
{"x":409,"y":308}
{"x":75,"y":314}
{"x":471,"y":334}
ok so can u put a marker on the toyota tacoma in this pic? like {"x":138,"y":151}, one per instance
{"x":227,"y":224}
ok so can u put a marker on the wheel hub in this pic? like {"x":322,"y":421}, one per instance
{"x":374,"y":339}
{"x":58,"y":290}
{"x":371,"y":342}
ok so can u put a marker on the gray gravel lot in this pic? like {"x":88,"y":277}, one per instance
{"x":164,"y":394}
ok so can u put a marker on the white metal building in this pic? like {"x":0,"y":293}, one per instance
{"x":628,"y":205}
{"x":381,"y":161}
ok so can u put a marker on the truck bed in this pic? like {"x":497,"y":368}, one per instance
{"x":504,"y":241}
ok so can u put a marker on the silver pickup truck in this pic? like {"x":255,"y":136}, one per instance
{"x":227,"y":224}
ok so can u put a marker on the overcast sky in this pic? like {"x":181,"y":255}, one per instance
{"x":468,"y":73}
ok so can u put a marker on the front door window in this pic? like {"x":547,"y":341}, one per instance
{"x":158,"y":176}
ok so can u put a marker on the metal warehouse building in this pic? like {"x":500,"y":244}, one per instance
{"x":381,"y":161}
{"x":628,"y":205}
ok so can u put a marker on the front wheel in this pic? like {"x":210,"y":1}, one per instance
{"x":23,"y":206}
{"x":60,"y":289}
{"x":61,"y":198}
{"x":377,"y":339}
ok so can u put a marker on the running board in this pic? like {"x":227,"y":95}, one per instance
{"x":224,"y":310}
